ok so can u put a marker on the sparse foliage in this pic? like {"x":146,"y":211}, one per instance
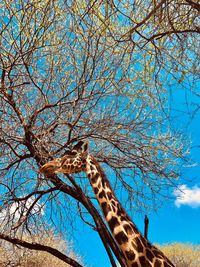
{"x":183,"y":255}
{"x":11,"y":255}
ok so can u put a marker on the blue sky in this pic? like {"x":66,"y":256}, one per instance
{"x":178,"y":219}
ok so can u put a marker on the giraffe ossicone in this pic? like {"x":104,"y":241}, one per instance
{"x":138,"y":252}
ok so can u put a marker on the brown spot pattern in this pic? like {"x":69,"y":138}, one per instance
{"x":134,"y":264}
{"x":94,"y":178}
{"x":139,"y":245}
{"x":109,"y":195}
{"x":128,"y":229}
{"x":105,"y":207}
{"x":149,"y":254}
{"x":121,"y":238}
{"x":130,"y":255}
{"x":102,"y":194}
{"x":157,"y":263}
{"x":96,"y":190}
{"x":113,"y":222}
{"x":144,"y":262}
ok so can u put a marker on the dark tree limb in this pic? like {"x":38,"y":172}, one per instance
{"x":193,"y":4}
{"x":36,"y":246}
{"x":151,"y":13}
{"x":146,"y":226}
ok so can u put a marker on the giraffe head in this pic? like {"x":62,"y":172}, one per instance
{"x":73,"y":161}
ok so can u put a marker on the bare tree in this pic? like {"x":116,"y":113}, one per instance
{"x":183,"y":254}
{"x":32,"y":254}
{"x":72,"y":70}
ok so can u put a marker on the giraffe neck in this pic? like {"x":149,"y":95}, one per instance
{"x":138,"y":252}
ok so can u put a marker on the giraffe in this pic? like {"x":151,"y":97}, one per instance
{"x":137,"y":250}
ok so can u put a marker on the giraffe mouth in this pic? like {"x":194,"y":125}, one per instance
{"x":50,"y":167}
{"x":47,"y":169}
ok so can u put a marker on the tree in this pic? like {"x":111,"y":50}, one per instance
{"x":89,"y":70}
{"x":18,"y":256}
{"x":183,"y":255}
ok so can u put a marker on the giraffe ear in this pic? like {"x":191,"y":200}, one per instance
{"x":81,"y":147}
{"x":85,"y":146}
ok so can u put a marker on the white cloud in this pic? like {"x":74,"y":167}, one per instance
{"x":18,"y":210}
{"x":187,"y":196}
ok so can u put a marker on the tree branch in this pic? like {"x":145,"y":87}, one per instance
{"x":145,"y":19}
{"x":36,"y":246}
{"x":162,"y":34}
{"x":193,"y":4}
